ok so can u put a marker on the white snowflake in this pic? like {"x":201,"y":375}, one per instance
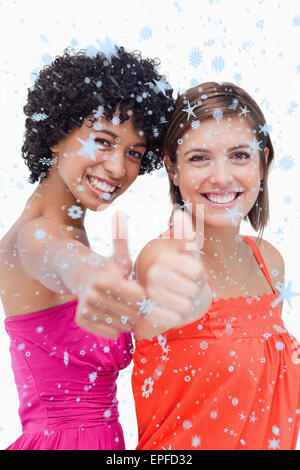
{"x":254,"y":145}
{"x":45,"y":161}
{"x":195,"y":124}
{"x":115,"y":121}
{"x":145,"y":33}
{"x":195,"y":57}
{"x":274,"y":443}
{"x":244,"y":111}
{"x":228,"y":329}
{"x":162,"y":342}
{"x":63,"y":265}
{"x":285,"y":293}
{"x":99,"y":111}
{"x":234,"y":104}
{"x":164,"y":357}
{"x":186,"y":424}
{"x":155,"y":132}
{"x":161,"y":86}
{"x":40,"y":234}
{"x":169,"y":448}
{"x":218,"y":114}
{"x":94,"y":259}
{"x":203,"y":345}
{"x":66,"y":358}
{"x":37,"y":117}
{"x":280,"y":346}
{"x":190,"y":110}
{"x":88,"y":147}
{"x":265,"y":129}
{"x":92,"y":376}
{"x":196,"y":441}
{"x":75,"y":212}
{"x":147,"y":387}
{"x":108,"y":48}
{"x":146,"y":306}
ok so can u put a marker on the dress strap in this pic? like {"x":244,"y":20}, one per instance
{"x":166,"y":234}
{"x":260,"y":260}
{"x":256,"y":253}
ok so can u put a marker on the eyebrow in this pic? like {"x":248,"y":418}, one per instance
{"x":203,"y":150}
{"x":115,"y":136}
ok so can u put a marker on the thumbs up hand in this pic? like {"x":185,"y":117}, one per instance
{"x":174,"y":280}
{"x":108,"y":300}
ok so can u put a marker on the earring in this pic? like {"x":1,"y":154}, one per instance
{"x":261,"y":187}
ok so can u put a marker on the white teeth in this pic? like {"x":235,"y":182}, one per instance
{"x":107,"y":188}
{"x":221,"y":199}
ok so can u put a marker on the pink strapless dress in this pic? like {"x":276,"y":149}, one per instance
{"x":66,"y":381}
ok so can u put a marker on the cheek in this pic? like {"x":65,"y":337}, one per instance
{"x":70,"y":168}
{"x":65,"y":166}
{"x":132,"y":171}
{"x":189,"y":179}
{"x":251,"y":177}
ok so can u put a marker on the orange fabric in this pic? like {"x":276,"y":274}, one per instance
{"x":230,"y":380}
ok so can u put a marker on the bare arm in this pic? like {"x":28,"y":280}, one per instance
{"x":107,"y":298}
{"x":174,"y":284}
{"x":53,"y":257}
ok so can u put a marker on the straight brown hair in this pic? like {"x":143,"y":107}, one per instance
{"x":207,"y":99}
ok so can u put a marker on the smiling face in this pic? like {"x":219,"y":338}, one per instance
{"x":218,"y":165}
{"x":100,"y":160}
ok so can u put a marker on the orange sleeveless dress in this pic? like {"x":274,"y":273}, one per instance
{"x":230,"y":380}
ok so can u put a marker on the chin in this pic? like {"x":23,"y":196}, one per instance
{"x":102,"y":206}
{"x":220,"y":222}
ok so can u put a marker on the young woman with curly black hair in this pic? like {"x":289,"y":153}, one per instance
{"x":94,"y":123}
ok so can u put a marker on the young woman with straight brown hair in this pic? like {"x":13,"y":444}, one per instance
{"x":230,"y":378}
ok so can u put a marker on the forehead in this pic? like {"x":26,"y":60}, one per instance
{"x":227,"y":131}
{"x":98,"y":122}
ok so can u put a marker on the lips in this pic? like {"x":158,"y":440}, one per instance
{"x":103,"y":189}
{"x":222,"y":199}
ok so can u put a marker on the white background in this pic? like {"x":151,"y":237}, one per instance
{"x":254,"y":44}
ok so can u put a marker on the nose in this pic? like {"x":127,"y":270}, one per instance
{"x":221,"y":174}
{"x":115,"y":165}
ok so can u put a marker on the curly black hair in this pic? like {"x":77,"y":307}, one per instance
{"x":75,"y":85}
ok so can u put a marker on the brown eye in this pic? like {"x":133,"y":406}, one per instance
{"x":197,"y":158}
{"x":240,"y":156}
{"x":103,"y":142}
{"x":134,"y":154}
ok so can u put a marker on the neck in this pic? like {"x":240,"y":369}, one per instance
{"x":223,"y":246}
{"x":53,"y":199}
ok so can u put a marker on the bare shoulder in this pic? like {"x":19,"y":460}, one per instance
{"x":40,"y":226}
{"x":273,"y":259}
{"x":43,"y":228}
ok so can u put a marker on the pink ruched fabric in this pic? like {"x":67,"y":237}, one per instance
{"x":66,"y":381}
